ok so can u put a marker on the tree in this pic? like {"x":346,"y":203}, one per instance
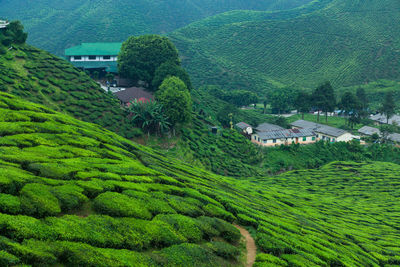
{"x":351,"y":107}
{"x":176,"y":100}
{"x":223,"y":114}
{"x":141,"y":56}
{"x":363,"y":100}
{"x":14,"y":34}
{"x":149,"y":116}
{"x":281,"y":100}
{"x":323,"y":98}
{"x":302,"y":103}
{"x":265,"y":102}
{"x":168,"y":69}
{"x":388,"y":106}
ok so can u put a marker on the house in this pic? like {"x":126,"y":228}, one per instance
{"x":130,"y":94}
{"x":394,"y":137}
{"x":266,"y":127}
{"x":325,"y":132}
{"x":245,"y":128}
{"x":381,"y":119}
{"x":369,"y":131}
{"x":94,"y":56}
{"x":3,"y":24}
{"x":284,"y":137}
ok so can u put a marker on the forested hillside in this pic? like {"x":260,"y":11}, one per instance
{"x":346,"y":42}
{"x":56,"y":25}
{"x":75,"y":194}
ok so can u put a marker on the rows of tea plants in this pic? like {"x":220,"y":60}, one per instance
{"x":73,"y":193}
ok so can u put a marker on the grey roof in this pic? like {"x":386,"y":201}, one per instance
{"x":382,"y":119}
{"x":265,"y":127}
{"x":132,"y":93}
{"x":285,"y":133}
{"x":242,"y":125}
{"x":319,"y":128}
{"x":367,"y":130}
{"x":395,"y":137}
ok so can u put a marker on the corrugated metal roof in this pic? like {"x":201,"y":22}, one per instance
{"x":109,"y":66}
{"x":367,"y":130}
{"x":94,"y":49}
{"x":319,"y":128}
{"x":264,"y":127}
{"x":395,"y":137}
{"x":286,"y":133}
{"x":382,"y":119}
{"x":242,"y":125}
{"x":130,"y":94}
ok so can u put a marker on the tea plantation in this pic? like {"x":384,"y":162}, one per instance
{"x":40,"y":77}
{"x":75,"y":194}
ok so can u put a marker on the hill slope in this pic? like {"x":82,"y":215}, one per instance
{"x":42,"y":78}
{"x":56,"y":25}
{"x":346,"y":42}
{"x":75,"y":194}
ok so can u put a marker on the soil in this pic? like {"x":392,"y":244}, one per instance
{"x":250,"y":246}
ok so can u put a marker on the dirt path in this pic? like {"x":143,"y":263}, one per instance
{"x":250,"y":246}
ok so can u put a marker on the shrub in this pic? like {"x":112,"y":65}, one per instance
{"x":10,"y":204}
{"x":115,"y":204}
{"x":246,"y":220}
{"x":224,"y":250}
{"x":37,"y":200}
{"x":69,"y":196}
{"x":7,"y":259}
{"x":270,"y":259}
{"x":214,"y":211}
{"x":187,"y":227}
{"x":218,"y":227}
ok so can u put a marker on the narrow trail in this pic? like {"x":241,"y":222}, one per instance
{"x":250,"y":246}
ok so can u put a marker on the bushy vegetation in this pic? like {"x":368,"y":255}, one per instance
{"x":131,"y":206}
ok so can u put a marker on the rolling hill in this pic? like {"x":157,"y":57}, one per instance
{"x":347,"y":42}
{"x":75,"y":194}
{"x":56,"y":25}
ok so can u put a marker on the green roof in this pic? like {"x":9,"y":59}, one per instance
{"x":109,"y":66}
{"x":94,"y":49}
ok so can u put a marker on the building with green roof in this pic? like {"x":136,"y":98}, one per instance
{"x":94,"y":56}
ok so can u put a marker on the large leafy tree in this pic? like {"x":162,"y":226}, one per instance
{"x":176,"y":100}
{"x":149,"y":116}
{"x":363,"y":100}
{"x":351,"y":107}
{"x":14,"y":34}
{"x":282,"y":100}
{"x":140,"y":56}
{"x":168,"y":69}
{"x":388,"y":106}
{"x":303,"y":103}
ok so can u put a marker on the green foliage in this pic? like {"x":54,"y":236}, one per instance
{"x":238,"y":98}
{"x":10,"y":204}
{"x":15,"y":33}
{"x":140,"y":56}
{"x":69,"y":196}
{"x":149,"y":116}
{"x":176,"y":101}
{"x":37,"y":200}
{"x":388,"y":106}
{"x":168,"y":69}
{"x":7,"y":259}
{"x":115,"y":204}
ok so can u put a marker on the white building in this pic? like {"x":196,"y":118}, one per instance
{"x":3,"y":24}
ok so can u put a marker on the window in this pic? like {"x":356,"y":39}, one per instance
{"x":333,"y":140}
{"x":313,"y":138}
{"x":264,"y":141}
{"x":77,"y":57}
{"x":92,"y":57}
{"x":304,"y":138}
{"x":274,"y":141}
{"x":329,"y":139}
{"x":107,"y":57}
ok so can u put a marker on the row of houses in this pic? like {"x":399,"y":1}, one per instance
{"x":368,"y":131}
{"x":302,"y":132}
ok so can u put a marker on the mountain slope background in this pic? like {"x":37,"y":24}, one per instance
{"x":346,"y":42}
{"x":73,"y":193}
{"x":56,"y":25}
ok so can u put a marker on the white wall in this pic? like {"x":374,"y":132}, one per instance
{"x":98,"y":58}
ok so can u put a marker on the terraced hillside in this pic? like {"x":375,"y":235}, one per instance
{"x":40,"y":77}
{"x":73,"y":193}
{"x":56,"y":25}
{"x":346,"y":42}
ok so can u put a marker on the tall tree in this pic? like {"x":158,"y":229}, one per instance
{"x":351,"y":107}
{"x":388,"y":106}
{"x":302,"y":103}
{"x":176,"y":100}
{"x":363,"y":100}
{"x":141,"y":56}
{"x":282,"y":100}
{"x":323,"y":98}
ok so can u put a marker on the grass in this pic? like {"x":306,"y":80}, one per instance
{"x":343,"y":214}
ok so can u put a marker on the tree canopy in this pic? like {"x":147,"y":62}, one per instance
{"x":176,"y":100}
{"x":140,"y":56}
{"x":388,"y":106}
{"x":168,"y":69}
{"x":303,"y":102}
{"x":14,"y":34}
{"x":323,"y":98}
